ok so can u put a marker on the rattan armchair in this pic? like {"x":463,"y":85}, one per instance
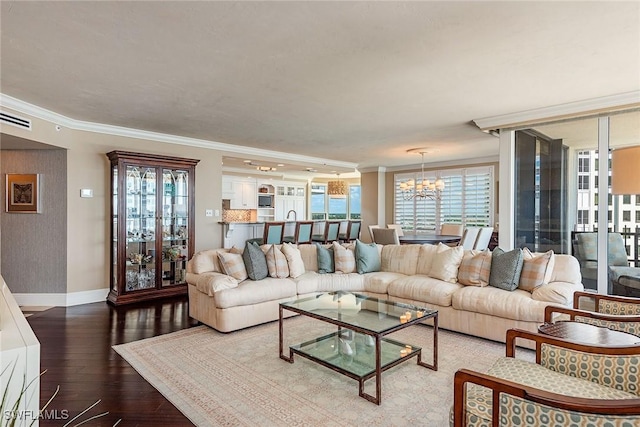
{"x":569,"y":384}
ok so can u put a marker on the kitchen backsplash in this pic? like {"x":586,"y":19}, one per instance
{"x":236,"y":215}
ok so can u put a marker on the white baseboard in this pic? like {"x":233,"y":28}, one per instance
{"x":62,"y":300}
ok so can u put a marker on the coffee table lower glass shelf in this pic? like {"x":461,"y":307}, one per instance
{"x":357,"y":349}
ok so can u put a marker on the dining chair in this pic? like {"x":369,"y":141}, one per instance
{"x":371,"y":227}
{"x":303,"y":232}
{"x":469,"y":237}
{"x":483,"y":239}
{"x":353,"y":232}
{"x":331,"y":230}
{"x":386,"y":236}
{"x":451,"y":229}
{"x":398,"y":227}
{"x":272,"y":235}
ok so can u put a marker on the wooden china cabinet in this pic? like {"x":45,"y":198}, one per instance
{"x":152,"y":225}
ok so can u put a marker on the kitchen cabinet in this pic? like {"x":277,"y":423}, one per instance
{"x":241,"y":193}
{"x":290,"y":196}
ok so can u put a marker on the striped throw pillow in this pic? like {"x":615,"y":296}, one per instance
{"x":277,"y":263}
{"x":233,"y":265}
{"x":536,"y":270}
{"x":475,"y":268}
{"x":294,"y":259}
{"x":344,"y":258}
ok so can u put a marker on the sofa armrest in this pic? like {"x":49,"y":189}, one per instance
{"x":557,"y":292}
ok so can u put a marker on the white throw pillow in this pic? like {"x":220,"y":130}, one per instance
{"x":446,"y":262}
{"x":344,"y":258}
{"x":277,"y":262}
{"x":294,"y":259}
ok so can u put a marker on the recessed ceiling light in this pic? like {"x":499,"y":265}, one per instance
{"x":280,"y":165}
{"x":246,"y":161}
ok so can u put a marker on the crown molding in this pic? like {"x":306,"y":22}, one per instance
{"x":18,"y":105}
{"x":461,"y":164}
{"x":568,"y":110}
{"x":379,"y":169}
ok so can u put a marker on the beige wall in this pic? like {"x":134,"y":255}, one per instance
{"x":88,"y":219}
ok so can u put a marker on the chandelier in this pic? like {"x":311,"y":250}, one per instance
{"x":337,"y":189}
{"x":423,"y":188}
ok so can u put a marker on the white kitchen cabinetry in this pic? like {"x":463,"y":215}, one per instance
{"x":241,"y":192}
{"x":290,"y":197}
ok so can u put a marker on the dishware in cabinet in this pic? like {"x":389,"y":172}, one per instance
{"x":152,"y":226}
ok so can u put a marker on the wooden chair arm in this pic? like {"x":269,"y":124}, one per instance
{"x":597,"y":297}
{"x":572,"y":312}
{"x":555,"y":400}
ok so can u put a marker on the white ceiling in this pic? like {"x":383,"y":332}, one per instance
{"x":357,"y":82}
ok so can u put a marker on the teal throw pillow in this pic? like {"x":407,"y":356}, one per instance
{"x":367,"y":257}
{"x":325,"y":259}
{"x":255,"y":261}
{"x":506,"y":268}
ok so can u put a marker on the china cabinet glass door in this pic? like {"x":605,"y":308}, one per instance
{"x":175,"y":226}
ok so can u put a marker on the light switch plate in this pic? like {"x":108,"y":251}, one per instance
{"x":86,"y":192}
{"x":208,"y":212}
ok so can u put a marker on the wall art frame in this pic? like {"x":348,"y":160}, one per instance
{"x":23,"y":193}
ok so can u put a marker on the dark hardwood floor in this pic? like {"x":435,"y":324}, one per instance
{"x":76,"y":352}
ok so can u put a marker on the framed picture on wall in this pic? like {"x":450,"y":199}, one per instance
{"x":23,"y":193}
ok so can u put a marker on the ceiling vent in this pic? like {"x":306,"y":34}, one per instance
{"x":16,"y":121}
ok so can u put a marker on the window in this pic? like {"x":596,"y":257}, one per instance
{"x":583,"y":216}
{"x":337,"y":208}
{"x":355,"y":199}
{"x":583,"y":182}
{"x":637,"y":216}
{"x":637,"y":200}
{"x":583,"y":164}
{"x":626,"y":215}
{"x":596,"y":181}
{"x":626,"y":199}
{"x":318,"y":201}
{"x":333,"y":208}
{"x":466,"y":199}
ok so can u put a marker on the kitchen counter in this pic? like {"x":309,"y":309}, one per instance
{"x":237,"y":233}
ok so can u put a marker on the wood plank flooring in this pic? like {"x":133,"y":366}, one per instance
{"x":76,"y":352}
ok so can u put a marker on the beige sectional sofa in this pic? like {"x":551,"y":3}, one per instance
{"x":405,"y":275}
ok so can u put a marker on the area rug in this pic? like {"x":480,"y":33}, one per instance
{"x":237,"y":379}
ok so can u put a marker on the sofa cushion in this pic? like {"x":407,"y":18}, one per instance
{"x":506,"y":268}
{"x":400,"y":259}
{"x":255,"y":261}
{"x":325,"y":259}
{"x":446,"y":262}
{"x":475,"y":268}
{"x":311,"y":282}
{"x":425,"y":258}
{"x":207,"y":260}
{"x":344,"y":259}
{"x":250,"y":292}
{"x":212,"y":282}
{"x":424,"y":289}
{"x":233,"y":265}
{"x":378,"y":282}
{"x":515,"y":305}
{"x":277,"y":262}
{"x":294,"y":259}
{"x":367,"y":257}
{"x":536,"y":269}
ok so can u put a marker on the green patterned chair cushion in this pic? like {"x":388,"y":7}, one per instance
{"x":620,"y":373}
{"x":479,"y":398}
{"x":619,"y":308}
{"x":628,"y":327}
{"x":515,"y":411}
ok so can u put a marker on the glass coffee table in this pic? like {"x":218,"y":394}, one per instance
{"x":357,"y":348}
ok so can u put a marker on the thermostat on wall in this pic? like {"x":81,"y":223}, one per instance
{"x":86,"y":192}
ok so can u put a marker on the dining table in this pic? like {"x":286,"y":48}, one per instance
{"x":428,"y":238}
